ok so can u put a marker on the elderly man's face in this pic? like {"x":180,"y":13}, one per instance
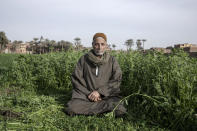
{"x":99,"y":46}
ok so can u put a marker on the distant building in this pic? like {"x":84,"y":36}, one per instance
{"x":17,"y":48}
{"x":190,"y":49}
{"x":21,"y":48}
{"x":184,"y":45}
{"x":159,"y":49}
{"x":8,"y":48}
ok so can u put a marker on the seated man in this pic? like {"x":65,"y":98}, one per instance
{"x":96,"y":80}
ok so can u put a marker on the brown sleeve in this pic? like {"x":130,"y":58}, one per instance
{"x":113,"y":86}
{"x":78,"y":82}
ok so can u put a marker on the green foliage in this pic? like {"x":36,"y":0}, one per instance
{"x":45,"y":112}
{"x":6,"y":63}
{"x":3,"y":40}
{"x":46,"y":71}
{"x":160,"y":92}
{"x":171,"y":80}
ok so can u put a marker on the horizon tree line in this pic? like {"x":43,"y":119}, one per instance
{"x":41,"y":45}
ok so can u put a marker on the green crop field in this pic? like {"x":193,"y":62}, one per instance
{"x":6,"y":61}
{"x":159,"y":91}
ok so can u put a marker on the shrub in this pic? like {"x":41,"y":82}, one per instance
{"x":158,"y":89}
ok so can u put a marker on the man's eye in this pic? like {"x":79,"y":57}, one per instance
{"x":102,"y":44}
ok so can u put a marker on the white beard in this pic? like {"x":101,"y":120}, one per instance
{"x":98,"y":53}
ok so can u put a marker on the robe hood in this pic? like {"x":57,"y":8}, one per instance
{"x":95,"y":60}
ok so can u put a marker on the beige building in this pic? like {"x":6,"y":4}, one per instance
{"x":8,"y":48}
{"x":17,"y":48}
{"x":184,"y":45}
{"x":190,"y":49}
{"x":21,"y":48}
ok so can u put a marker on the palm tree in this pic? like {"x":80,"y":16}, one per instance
{"x":52,"y":45}
{"x":113,"y":46}
{"x":139,"y":44}
{"x":35,"y":43}
{"x":143,"y":40}
{"x":40,"y":44}
{"x":41,"y":38}
{"x":60,"y":45}
{"x":35,"y":40}
{"x":45,"y":45}
{"x":64,"y":45}
{"x":77,"y":42}
{"x":129,"y":43}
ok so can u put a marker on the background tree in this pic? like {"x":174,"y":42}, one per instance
{"x":77,"y":42}
{"x":52,"y":45}
{"x":35,"y":45}
{"x":44,"y":45}
{"x":3,"y":40}
{"x":17,"y":42}
{"x":31,"y":46}
{"x":35,"y":40}
{"x":40,"y":44}
{"x":64,"y":45}
{"x":139,"y":44}
{"x":41,"y":39}
{"x":20,"y":42}
{"x":113,"y":46}
{"x":129,"y":43}
{"x":143,"y":40}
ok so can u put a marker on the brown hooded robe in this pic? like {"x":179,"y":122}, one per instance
{"x":106,"y":80}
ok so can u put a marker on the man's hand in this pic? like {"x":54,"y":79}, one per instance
{"x":94,"y":96}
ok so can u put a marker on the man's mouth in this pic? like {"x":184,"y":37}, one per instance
{"x":98,"y":52}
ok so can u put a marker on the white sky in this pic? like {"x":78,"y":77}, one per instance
{"x":162,"y":22}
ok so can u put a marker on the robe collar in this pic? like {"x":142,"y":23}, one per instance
{"x":96,"y":60}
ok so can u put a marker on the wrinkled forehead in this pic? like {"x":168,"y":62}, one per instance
{"x":99,"y":40}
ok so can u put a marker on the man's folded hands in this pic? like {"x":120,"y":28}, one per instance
{"x":94,"y":96}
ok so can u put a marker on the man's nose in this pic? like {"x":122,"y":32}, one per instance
{"x":99,"y":46}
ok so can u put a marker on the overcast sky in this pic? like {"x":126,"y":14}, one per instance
{"x":161,"y":22}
